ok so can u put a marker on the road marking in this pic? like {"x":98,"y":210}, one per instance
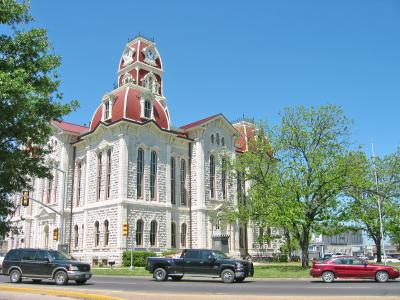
{"x":57,"y":292}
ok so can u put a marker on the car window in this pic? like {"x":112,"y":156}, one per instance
{"x":12,"y":255}
{"x":41,"y":255}
{"x":57,"y":255}
{"x":220,"y":255}
{"x":28,"y":255}
{"x":355,"y":262}
{"x":191,"y":254}
{"x":205,"y":254}
{"x":339,"y":261}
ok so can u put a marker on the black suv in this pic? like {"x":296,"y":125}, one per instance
{"x":41,"y":264}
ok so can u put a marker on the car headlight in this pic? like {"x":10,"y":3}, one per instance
{"x":239,"y":266}
{"x":73,"y":268}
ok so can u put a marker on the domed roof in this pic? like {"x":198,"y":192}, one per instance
{"x":126,"y":104}
{"x":246,"y":131}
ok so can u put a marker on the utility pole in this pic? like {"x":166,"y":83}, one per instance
{"x":379,"y":204}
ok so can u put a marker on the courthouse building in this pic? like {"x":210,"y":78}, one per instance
{"x":131,"y":165}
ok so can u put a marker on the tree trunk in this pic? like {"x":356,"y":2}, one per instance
{"x":288,"y":243}
{"x":378,"y":250}
{"x":304,"y":243}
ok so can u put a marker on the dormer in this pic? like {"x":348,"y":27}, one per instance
{"x":107,"y":103}
{"x":127,"y":78}
{"x":150,"y":82}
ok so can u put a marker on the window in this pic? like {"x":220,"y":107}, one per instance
{"x":173,"y":235}
{"x":223,"y":141}
{"x":183,"y":182}
{"x":108,"y":178}
{"x":76,"y":235}
{"x":150,"y":83}
{"x":139,"y":173}
{"x":139,"y":233}
{"x":153,"y":175}
{"x":55,"y":181}
{"x":212,"y":139}
{"x":106,"y":233}
{"x":212,"y":176}
{"x":223,"y":178}
{"x":217,"y":138}
{"x":183,"y":235}
{"x":147,"y":109}
{"x":106,"y":110}
{"x":153,"y":233}
{"x":99,"y":171}
{"x":28,"y":255}
{"x":96,"y":234}
{"x":49,"y":188}
{"x":78,"y":179}
{"x":83,"y":232}
{"x":192,"y":254}
{"x":173,"y":179}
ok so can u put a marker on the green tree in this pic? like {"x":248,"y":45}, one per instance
{"x":29,"y":100}
{"x":376,"y":182}
{"x":297,"y":176}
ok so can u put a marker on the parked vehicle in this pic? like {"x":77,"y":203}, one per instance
{"x":389,"y":259}
{"x":200,"y":262}
{"x":352,"y":267}
{"x":2,"y":255}
{"x":39,"y":264}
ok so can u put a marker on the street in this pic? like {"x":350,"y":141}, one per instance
{"x":251,"y":287}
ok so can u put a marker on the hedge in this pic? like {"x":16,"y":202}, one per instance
{"x":139,"y":258}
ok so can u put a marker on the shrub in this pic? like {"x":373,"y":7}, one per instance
{"x":139,"y":258}
{"x":283,"y":258}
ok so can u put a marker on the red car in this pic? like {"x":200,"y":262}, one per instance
{"x":351,"y":267}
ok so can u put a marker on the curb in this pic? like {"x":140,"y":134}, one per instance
{"x":57,"y":292}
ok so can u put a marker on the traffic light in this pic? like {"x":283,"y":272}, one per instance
{"x":125,"y":229}
{"x":55,"y":234}
{"x":25,"y":198}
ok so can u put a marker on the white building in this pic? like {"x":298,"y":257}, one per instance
{"x":132,"y":166}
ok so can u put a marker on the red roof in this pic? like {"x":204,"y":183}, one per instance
{"x":70,"y":127}
{"x":127,"y":105}
{"x":246,"y":131}
{"x":199,"y":122}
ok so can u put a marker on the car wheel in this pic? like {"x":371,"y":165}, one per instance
{"x":240,"y":279}
{"x":176,"y":278}
{"x":61,"y":278}
{"x":36,"y":280}
{"x":160,"y":274}
{"x":228,"y":276}
{"x":15,"y":276}
{"x":328,"y":276}
{"x":381,"y":276}
{"x":80,"y":281}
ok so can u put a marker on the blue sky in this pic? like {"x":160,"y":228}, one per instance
{"x":240,"y":57}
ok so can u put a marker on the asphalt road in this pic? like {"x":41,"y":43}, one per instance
{"x":249,"y":287}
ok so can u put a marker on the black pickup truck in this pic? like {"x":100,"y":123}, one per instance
{"x":200,"y":262}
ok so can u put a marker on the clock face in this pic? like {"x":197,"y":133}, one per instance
{"x":150,"y":55}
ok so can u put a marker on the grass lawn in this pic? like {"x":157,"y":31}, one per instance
{"x":272,"y":270}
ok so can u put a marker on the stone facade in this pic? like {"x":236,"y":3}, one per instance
{"x":100,"y":166}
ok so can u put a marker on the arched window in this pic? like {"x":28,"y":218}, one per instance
{"x":83,"y":233}
{"x":212,"y":139}
{"x":150,"y":83}
{"x":183,"y":182}
{"x":139,"y":173}
{"x":96,"y":234}
{"x":76,"y":235}
{"x":139,"y":233}
{"x":153,"y":175}
{"x":46,"y":236}
{"x":49,"y":187}
{"x":153,"y":233}
{"x":78,"y":181}
{"x":99,"y":174}
{"x":223,"y":178}
{"x":241,"y":238}
{"x":217,"y":139}
{"x":183,"y":235}
{"x":173,"y":235}
{"x":106,"y":233}
{"x":108,"y":178}
{"x":173,"y":180}
{"x":212,"y":176}
{"x":147,"y":109}
{"x":106,"y":110}
{"x":223,"y":141}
